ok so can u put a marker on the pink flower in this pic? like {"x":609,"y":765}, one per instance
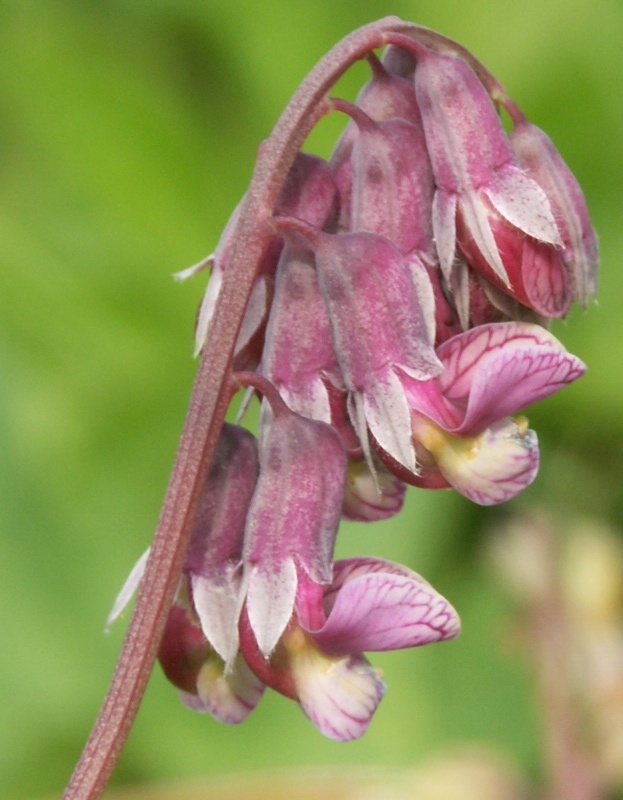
{"x":370,"y":605}
{"x":460,"y":420}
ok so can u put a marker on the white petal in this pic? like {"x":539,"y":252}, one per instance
{"x":389,"y":419}
{"x":444,"y":229}
{"x":270,"y":600}
{"x":524,"y":204}
{"x":129,"y":588}
{"x":218,"y":608}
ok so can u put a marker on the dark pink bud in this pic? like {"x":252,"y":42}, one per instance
{"x":544,"y":164}
{"x":392,"y":189}
{"x":384,"y":97}
{"x":309,"y":194}
{"x":298,"y":353}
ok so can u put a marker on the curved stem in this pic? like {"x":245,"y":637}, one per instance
{"x":208,"y":405}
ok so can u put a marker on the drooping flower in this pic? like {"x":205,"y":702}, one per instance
{"x":306,"y":622}
{"x":309,"y":193}
{"x":199,"y":648}
{"x":461,"y":426}
{"x":381,"y":310}
{"x":485,"y":203}
{"x":370,"y":605}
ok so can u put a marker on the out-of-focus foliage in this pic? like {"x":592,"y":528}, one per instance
{"x":128,"y":131}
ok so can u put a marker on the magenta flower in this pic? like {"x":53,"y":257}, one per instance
{"x":371,"y":605}
{"x":461,"y":426}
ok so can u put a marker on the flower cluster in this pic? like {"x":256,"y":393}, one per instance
{"x":395,"y":326}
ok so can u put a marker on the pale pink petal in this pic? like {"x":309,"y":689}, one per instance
{"x":270,"y":600}
{"x":229,"y":696}
{"x":444,"y":229}
{"x":521,"y":201}
{"x":218,"y":604}
{"x":389,"y":418}
{"x":476,"y":217}
{"x":493,"y":467}
{"x":339,"y":696}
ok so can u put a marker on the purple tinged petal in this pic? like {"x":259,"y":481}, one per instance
{"x":293,"y":517}
{"x":465,"y":137}
{"x":392,"y":183}
{"x":298,"y":349}
{"x":374,"y":308}
{"x":539,"y":156}
{"x":339,"y":696}
{"x":228,"y":695}
{"x":487,"y":469}
{"x":378,"y":605}
{"x":220,"y":521}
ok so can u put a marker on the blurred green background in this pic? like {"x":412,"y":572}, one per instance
{"x":128,"y":130}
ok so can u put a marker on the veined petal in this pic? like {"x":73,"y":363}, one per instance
{"x":228,"y":695}
{"x":339,"y":695}
{"x":270,"y":601}
{"x":500,"y":368}
{"x":382,"y":606}
{"x":489,"y":468}
{"x":514,"y":379}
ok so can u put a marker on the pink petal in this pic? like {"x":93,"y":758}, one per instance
{"x":501,"y":368}
{"x":493,"y":467}
{"x":228,"y":696}
{"x":521,"y":201}
{"x":381,"y":606}
{"x":339,"y":697}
